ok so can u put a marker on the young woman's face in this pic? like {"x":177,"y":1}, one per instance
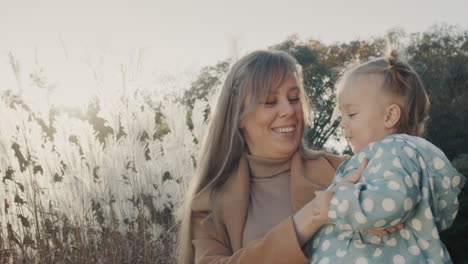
{"x":274,"y":128}
{"x":362,"y":105}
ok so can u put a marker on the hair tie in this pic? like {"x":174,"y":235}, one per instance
{"x":390,"y":66}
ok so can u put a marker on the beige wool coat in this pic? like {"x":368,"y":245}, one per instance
{"x":217,"y":224}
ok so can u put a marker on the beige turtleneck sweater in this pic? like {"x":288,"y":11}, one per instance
{"x":270,"y":199}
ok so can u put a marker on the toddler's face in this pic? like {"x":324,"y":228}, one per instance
{"x":362,"y":104}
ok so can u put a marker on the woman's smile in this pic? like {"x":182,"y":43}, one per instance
{"x":285,"y":130}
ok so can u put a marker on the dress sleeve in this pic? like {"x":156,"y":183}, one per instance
{"x":386,"y":194}
{"x":280,"y":245}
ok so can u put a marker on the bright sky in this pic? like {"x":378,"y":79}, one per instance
{"x":180,"y":35}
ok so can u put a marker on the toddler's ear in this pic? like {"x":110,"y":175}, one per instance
{"x":392,"y":115}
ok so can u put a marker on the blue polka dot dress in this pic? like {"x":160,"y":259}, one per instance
{"x":408,"y":180}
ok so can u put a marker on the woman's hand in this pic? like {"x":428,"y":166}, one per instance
{"x":315,"y":213}
{"x":322,"y":199}
{"x":321,"y":204}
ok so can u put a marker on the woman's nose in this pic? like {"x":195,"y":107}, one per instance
{"x":286,"y":108}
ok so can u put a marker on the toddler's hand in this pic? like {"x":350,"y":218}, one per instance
{"x":355,"y":176}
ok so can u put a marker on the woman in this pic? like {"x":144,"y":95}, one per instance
{"x":251,"y":199}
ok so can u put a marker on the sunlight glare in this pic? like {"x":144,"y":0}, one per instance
{"x":73,"y":84}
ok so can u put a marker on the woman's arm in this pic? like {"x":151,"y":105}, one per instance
{"x":280,"y":245}
{"x":283,"y":244}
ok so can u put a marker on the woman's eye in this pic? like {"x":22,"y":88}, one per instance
{"x":353,"y":114}
{"x":296,"y":99}
{"x":270,"y":102}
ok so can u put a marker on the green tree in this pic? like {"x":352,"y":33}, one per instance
{"x":204,"y":87}
{"x":440,"y":56}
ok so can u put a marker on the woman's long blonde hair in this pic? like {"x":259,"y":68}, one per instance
{"x":248,"y":82}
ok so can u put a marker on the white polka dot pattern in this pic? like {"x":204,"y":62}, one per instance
{"x":395,"y":222}
{"x":416,"y":224}
{"x":456,"y":181}
{"x":360,"y":218}
{"x":399,"y":259}
{"x":408,"y":181}
{"x":359,"y":244}
{"x":361,"y":260}
{"x":345,"y":227}
{"x":423,"y":244}
{"x":409,"y":151}
{"x":438,"y":163}
{"x":405,"y":234}
{"x":388,"y":204}
{"x":428,"y":213}
{"x":375,"y":240}
{"x":399,"y":186}
{"x":378,"y":153}
{"x":408,"y":204}
{"x":435,"y":233}
{"x":414,"y":250}
{"x":340,"y":253}
{"x":397,"y":163}
{"x":325,"y":245}
{"x":343,"y":207}
{"x":393,"y":185}
{"x":391,"y":242}
{"x":380,"y":223}
{"x":367,"y":205}
{"x":324,"y":261}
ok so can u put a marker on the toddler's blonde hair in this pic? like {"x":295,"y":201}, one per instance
{"x":401,"y":80}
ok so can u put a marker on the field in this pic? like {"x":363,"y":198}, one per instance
{"x":93,"y":183}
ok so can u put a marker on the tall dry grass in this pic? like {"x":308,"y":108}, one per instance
{"x":96,"y":185}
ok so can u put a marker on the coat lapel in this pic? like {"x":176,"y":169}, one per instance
{"x":308,"y":176}
{"x":235,"y":202}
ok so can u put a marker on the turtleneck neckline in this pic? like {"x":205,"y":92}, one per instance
{"x":261,"y":167}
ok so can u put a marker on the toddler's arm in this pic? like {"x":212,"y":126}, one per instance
{"x":446,"y":187}
{"x":388,"y":196}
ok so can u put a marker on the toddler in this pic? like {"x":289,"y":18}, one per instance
{"x":407,"y":180}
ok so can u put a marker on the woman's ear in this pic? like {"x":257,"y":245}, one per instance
{"x":392,"y":116}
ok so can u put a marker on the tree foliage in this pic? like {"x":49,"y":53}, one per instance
{"x":440,"y":56}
